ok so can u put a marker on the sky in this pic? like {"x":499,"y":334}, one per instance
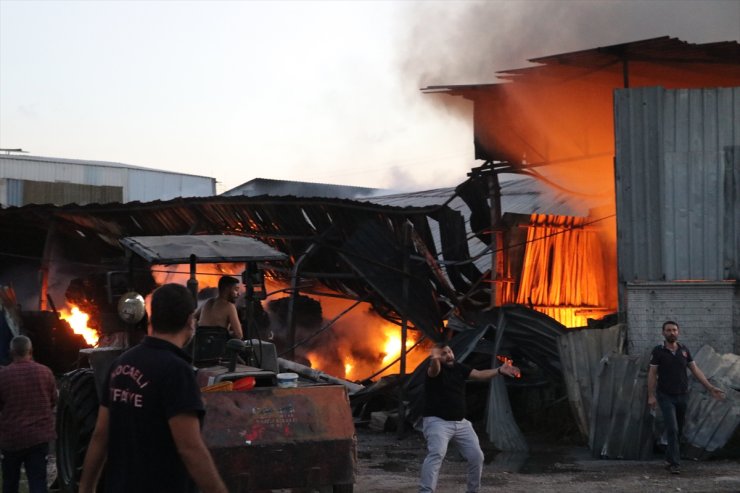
{"x":319,"y":91}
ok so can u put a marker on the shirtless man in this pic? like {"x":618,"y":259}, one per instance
{"x":221,"y":311}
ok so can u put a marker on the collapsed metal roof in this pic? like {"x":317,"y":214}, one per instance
{"x":341,"y":243}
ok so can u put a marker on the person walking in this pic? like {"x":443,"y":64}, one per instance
{"x":148,"y":427}
{"x":444,"y":415}
{"x":28,"y":394}
{"x":668,"y":387}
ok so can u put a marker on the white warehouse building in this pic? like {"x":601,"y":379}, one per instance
{"x":47,"y":180}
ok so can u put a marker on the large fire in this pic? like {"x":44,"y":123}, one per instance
{"x":78,"y":321}
{"x":557,"y":119}
{"x":207,"y":274}
{"x":383,"y":359}
{"x":361,"y":344}
{"x":564,"y":269}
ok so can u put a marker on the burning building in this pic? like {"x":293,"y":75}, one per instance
{"x":560,"y":121}
{"x":537,"y":225}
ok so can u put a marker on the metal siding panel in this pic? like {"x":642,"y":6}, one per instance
{"x":104,"y":175}
{"x":654,"y":182}
{"x":639,"y":184}
{"x":713,"y":198}
{"x":138,"y":183}
{"x":695,"y":122}
{"x":677,"y":184}
{"x":695,"y":229}
{"x":622,"y":177}
{"x":11,"y":192}
{"x":15,"y":192}
{"x":681,"y":120}
{"x":731,"y":246}
{"x":145,"y":185}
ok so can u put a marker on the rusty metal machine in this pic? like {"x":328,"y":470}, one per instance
{"x":262,"y":436}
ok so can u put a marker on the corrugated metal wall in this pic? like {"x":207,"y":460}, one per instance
{"x":677,"y":177}
{"x":137,"y":183}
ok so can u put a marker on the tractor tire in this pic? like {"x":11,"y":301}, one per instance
{"x":77,"y":411}
{"x":343,"y":488}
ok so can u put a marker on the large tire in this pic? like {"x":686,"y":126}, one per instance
{"x":77,"y":412}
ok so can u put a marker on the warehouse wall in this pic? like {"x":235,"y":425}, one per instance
{"x":704,"y":311}
{"x":81,"y":181}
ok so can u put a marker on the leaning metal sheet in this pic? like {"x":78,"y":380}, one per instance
{"x":177,"y":249}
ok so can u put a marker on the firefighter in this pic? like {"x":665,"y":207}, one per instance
{"x":149,"y":421}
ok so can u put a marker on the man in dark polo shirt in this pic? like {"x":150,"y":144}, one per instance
{"x":148,"y":426}
{"x":668,"y":387}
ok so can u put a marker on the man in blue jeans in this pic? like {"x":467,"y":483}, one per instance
{"x":28,"y":394}
{"x":444,"y":415}
{"x":668,"y":387}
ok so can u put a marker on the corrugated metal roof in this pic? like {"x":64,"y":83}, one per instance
{"x":137,"y":183}
{"x":443,"y":237}
{"x":267,"y":186}
{"x":288,"y":224}
{"x":167,"y":250}
{"x":88,"y":162}
{"x":677,"y":174}
{"x":520,"y":195}
{"x":662,"y":50}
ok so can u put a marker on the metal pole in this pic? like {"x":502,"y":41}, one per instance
{"x":44,"y":268}
{"x":404,"y":326}
{"x":192,"y":283}
{"x":293,"y":295}
{"x":626,"y":72}
{"x":494,"y":193}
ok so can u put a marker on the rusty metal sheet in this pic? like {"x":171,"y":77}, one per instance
{"x":270,"y":438}
{"x":581,"y":352}
{"x":621,"y":427}
{"x":711,"y":423}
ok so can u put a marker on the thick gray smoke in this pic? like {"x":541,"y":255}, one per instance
{"x":467,"y":42}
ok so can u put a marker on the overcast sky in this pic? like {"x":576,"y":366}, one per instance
{"x":315,"y":91}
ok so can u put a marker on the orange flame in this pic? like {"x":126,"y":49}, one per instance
{"x":508,"y":361}
{"x":364,"y":344}
{"x":207,"y":274}
{"x":78,"y":320}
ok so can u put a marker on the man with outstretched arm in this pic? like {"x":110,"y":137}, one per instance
{"x":668,"y":387}
{"x":444,"y":415}
{"x":148,"y":427}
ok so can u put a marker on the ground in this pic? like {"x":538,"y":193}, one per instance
{"x":389,"y":464}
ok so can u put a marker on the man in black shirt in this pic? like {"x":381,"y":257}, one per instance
{"x":667,"y":375}
{"x":444,"y":415}
{"x":148,"y":426}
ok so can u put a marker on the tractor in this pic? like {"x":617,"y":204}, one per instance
{"x":263,"y":432}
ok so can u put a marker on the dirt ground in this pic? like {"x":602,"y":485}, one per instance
{"x":389,"y":464}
